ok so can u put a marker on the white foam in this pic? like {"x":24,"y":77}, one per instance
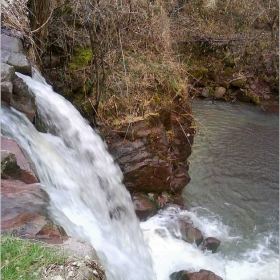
{"x":171,"y":254}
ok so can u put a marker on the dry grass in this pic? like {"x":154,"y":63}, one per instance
{"x":133,"y":65}
{"x":15,"y":15}
{"x":152,"y":83}
{"x":247,"y":29}
{"x":143,"y":53}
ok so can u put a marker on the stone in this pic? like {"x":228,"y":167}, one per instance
{"x":270,"y":107}
{"x":86,"y":273}
{"x":9,"y":167}
{"x":75,"y":247}
{"x":164,"y":200}
{"x":82,"y":270}
{"x":11,"y":44}
{"x":58,"y":277}
{"x":178,"y":200}
{"x":201,"y":275}
{"x":219,"y":92}
{"x":242,"y":95}
{"x":266,"y":96}
{"x":20,"y":63}
{"x":254,"y":98}
{"x":4,"y":56}
{"x":144,"y":207}
{"x":211,"y":244}
{"x":22,"y":207}
{"x":190,"y":234}
{"x":7,"y":73}
{"x":22,"y":99}
{"x":247,"y":96}
{"x":6,"y":92}
{"x":204,"y":93}
{"x":179,"y":180}
{"x":50,"y":230}
{"x":239,"y":82}
{"x":138,"y":158}
{"x":12,"y":53}
{"x":152,"y":150}
{"x":28,"y":169}
{"x":143,"y":164}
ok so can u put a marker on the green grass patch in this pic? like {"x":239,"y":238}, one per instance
{"x":22,"y":259}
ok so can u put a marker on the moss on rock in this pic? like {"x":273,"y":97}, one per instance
{"x":240,"y":82}
{"x":81,"y":57}
{"x":200,"y":72}
{"x":247,"y":96}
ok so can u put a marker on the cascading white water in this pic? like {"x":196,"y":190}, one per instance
{"x":171,"y":254}
{"x":89,"y":201}
{"x":85,"y":185}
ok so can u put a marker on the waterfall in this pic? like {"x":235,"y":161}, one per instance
{"x":85,"y":186}
{"x":88,"y":199}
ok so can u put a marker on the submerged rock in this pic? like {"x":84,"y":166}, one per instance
{"x":190,"y":234}
{"x":211,"y":244}
{"x":201,"y":275}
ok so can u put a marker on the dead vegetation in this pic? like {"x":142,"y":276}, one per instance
{"x":117,"y":58}
{"x":229,"y":39}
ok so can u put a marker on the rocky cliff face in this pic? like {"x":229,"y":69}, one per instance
{"x":153,"y":152}
{"x":14,"y":91}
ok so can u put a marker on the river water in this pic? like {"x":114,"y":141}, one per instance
{"x":233,"y":194}
{"x":234,"y":169}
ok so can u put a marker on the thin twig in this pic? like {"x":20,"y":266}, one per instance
{"x":39,"y":28}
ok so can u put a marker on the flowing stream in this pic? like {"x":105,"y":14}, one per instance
{"x":233,"y":194}
{"x":85,"y":186}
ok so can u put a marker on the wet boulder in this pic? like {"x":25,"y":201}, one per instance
{"x":247,"y":96}
{"x":211,"y":244}
{"x":15,"y":163}
{"x":178,"y":200}
{"x":7,"y":75}
{"x":22,"y":205}
{"x":152,"y":153}
{"x":190,"y":234}
{"x":9,"y":166}
{"x":144,"y":207}
{"x":201,"y":275}
{"x":22,"y":99}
